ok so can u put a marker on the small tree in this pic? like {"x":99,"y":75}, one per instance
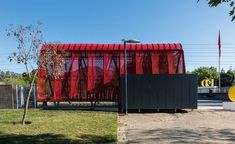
{"x":227,"y":78}
{"x":205,"y":73}
{"x":29,"y":40}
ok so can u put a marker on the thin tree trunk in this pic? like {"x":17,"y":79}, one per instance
{"x":27,"y":99}
{"x":27,"y":70}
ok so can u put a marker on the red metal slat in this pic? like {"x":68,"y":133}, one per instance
{"x":144,"y":47}
{"x":111,"y":47}
{"x":72,"y":47}
{"x":100,"y":47}
{"x":132,"y":46}
{"x":66,"y":46}
{"x":128,"y":47}
{"x":179,"y":47}
{"x":121,"y":47}
{"x":93,"y":46}
{"x":58,"y":47}
{"x":161,"y":46}
{"x":138,"y":47}
{"x":150,"y":47}
{"x":83,"y":47}
{"x":105,"y":47}
{"x":88,"y":47}
{"x":167,"y":47}
{"x":77,"y":46}
{"x":116,"y":47}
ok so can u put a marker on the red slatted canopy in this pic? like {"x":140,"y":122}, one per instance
{"x":117,"y":47}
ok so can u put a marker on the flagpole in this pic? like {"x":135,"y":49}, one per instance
{"x":219,"y":45}
{"x":219,"y":75}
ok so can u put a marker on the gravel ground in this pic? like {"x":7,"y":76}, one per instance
{"x":198,"y":126}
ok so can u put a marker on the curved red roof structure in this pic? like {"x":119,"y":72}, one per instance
{"x":92,"y":71}
{"x":116,"y":47}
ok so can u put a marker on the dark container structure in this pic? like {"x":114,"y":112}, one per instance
{"x":162,"y":91}
{"x":93,"y":71}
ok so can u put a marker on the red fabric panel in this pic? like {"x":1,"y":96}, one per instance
{"x":91,"y":74}
{"x":107,"y":72}
{"x":57,"y":89}
{"x":121,"y":67}
{"x":74,"y":88}
{"x":171,"y":63}
{"x":58,"y":79}
{"x":139,"y":63}
{"x":155,"y":63}
{"x":41,"y":85}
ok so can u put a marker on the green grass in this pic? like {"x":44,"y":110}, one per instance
{"x":58,"y":126}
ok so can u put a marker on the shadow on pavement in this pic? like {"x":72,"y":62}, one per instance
{"x":155,"y":111}
{"x":177,"y":135}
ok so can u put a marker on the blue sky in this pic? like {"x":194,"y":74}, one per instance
{"x":193,"y":24}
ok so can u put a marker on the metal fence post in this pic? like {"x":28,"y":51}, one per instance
{"x":17,"y":100}
{"x":12,"y":97}
{"x":22,"y":95}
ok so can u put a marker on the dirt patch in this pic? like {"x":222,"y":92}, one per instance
{"x":199,"y":126}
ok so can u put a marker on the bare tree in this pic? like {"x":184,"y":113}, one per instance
{"x":29,"y":40}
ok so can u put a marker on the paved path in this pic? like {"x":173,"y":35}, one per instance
{"x":208,"y":124}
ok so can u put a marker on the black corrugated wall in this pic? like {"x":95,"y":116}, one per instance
{"x":161,"y":91}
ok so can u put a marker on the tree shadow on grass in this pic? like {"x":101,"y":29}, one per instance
{"x":49,"y":138}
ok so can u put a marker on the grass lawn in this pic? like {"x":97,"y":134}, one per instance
{"x":58,"y":126}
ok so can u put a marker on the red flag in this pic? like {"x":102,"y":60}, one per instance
{"x":219,"y":44}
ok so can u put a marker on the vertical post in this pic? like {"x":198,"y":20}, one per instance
{"x":12,"y":97}
{"x":125,"y":70}
{"x":219,"y":45}
{"x":17,"y":100}
{"x":219,"y":75}
{"x":22,"y":96}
